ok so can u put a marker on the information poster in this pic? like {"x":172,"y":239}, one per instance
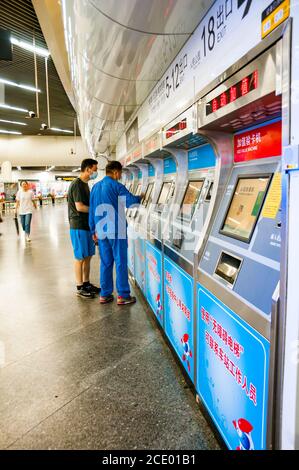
{"x":10,"y":190}
{"x":139,"y":246}
{"x":178,"y":295}
{"x":232,"y":374}
{"x":153,"y":282}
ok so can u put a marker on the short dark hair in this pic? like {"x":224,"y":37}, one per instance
{"x":88,"y":163}
{"x":114,"y":165}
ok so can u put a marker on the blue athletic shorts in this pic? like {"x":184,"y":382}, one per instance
{"x":83,"y":244}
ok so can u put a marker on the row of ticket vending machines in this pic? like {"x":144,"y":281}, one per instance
{"x":204,"y":246}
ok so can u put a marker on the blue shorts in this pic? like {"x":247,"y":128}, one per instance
{"x":83,"y":244}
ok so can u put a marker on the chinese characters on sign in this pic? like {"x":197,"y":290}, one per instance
{"x":265,"y":142}
{"x":220,"y":346}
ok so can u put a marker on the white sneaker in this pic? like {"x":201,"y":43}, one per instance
{"x":28,"y":239}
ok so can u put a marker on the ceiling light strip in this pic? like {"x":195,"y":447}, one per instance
{"x":24,"y":87}
{"x":13,"y":122}
{"x":13,"y":108}
{"x":30,"y":47}
{"x":3,"y":131}
{"x":56,"y":129}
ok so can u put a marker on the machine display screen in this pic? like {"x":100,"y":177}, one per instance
{"x":191,"y":199}
{"x":147,"y":198}
{"x":245,"y":207}
{"x":163,"y":198}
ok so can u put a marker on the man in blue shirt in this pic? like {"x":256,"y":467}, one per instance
{"x":107,"y":221}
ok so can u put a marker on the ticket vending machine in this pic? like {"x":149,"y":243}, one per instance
{"x":195,"y":181}
{"x":133,"y":186}
{"x":239,"y":268}
{"x":137,"y":237}
{"x":158,"y":212}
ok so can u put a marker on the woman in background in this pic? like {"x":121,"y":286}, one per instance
{"x":24,"y":205}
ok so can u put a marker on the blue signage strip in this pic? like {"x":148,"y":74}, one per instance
{"x":153,"y":279}
{"x":140,"y":263}
{"x":178,"y":303}
{"x":151,"y":171}
{"x":201,"y":157}
{"x":232,"y":373}
{"x":169,"y":166}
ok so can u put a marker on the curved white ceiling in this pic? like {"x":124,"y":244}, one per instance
{"x":118,"y":50}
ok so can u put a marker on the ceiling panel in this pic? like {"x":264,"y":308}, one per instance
{"x":19,"y":17}
{"x":118,"y":50}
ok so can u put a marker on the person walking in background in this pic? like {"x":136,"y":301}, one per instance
{"x":24,"y":206}
{"x":40,"y":198}
{"x":81,"y":237}
{"x":52,"y":196}
{"x":107,"y":221}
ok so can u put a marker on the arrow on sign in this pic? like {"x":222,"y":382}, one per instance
{"x":247,"y":8}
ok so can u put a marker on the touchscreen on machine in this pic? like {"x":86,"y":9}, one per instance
{"x":191,"y":199}
{"x":245,"y":207}
{"x":148,"y":193}
{"x":164,"y":194}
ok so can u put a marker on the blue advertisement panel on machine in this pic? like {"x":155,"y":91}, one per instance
{"x":178,"y":301}
{"x":153,"y":280}
{"x":232,"y":374}
{"x":140,"y":263}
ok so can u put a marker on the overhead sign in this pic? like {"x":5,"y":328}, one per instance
{"x":65,"y":178}
{"x":179,"y":127}
{"x":152,"y":144}
{"x":262,"y":142}
{"x":202,"y":60}
{"x":275,"y":14}
{"x":238,"y":90}
{"x":134,"y":156}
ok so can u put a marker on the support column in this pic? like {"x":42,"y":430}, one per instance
{"x":6,"y":172}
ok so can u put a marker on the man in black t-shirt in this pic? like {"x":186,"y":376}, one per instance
{"x":82,"y":239}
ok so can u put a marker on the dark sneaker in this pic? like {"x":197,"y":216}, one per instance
{"x":93,"y":289}
{"x":126,"y":300}
{"x":106,"y":300}
{"x":85,"y":294}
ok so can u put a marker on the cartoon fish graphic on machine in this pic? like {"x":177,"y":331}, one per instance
{"x":159,"y":307}
{"x":244,"y":430}
{"x":187,"y":354}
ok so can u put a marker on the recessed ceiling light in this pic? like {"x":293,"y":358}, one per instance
{"x":3,"y":131}
{"x":56,"y":129}
{"x":18,"y":85}
{"x":13,"y":122}
{"x":30,"y":47}
{"x":13,"y":108}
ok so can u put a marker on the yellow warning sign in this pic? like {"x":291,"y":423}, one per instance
{"x":273,"y":200}
{"x":274,"y":15}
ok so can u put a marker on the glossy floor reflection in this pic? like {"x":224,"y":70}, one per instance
{"x":75,"y":374}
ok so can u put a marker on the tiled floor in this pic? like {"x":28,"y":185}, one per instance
{"x":78,"y":375}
